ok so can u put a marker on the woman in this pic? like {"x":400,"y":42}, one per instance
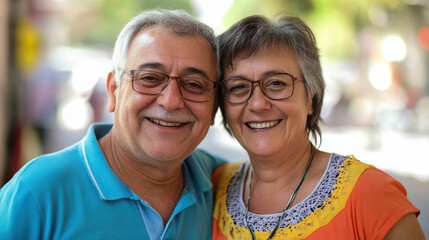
{"x":272,"y":91}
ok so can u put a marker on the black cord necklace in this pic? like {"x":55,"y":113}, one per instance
{"x":292,"y":197}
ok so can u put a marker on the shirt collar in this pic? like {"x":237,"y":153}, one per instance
{"x":197,"y":176}
{"x":107,"y":183}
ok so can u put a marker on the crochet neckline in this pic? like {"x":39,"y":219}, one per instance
{"x":266,"y":222}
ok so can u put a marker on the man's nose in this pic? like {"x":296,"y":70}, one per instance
{"x":170,"y":97}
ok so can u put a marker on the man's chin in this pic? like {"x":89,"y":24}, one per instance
{"x":168,"y":156}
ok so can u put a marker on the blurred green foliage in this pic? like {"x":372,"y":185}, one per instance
{"x":334,"y":22}
{"x":112,"y":15}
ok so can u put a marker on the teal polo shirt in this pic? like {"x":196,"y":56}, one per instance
{"x":74,"y":194}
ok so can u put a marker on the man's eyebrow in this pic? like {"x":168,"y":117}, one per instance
{"x":162,"y":67}
{"x":192,"y":70}
{"x":153,"y":65}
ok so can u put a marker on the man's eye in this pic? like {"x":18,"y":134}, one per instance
{"x":150,"y":78}
{"x":193,"y":84}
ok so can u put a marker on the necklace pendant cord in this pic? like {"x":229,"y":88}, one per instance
{"x":292,"y":197}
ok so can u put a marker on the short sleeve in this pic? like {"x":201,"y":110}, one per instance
{"x":20,"y":217}
{"x":379,"y":201}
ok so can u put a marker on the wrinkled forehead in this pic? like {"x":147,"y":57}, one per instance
{"x":249,"y":52}
{"x":165,"y":50}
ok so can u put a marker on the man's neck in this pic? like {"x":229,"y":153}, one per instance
{"x":159,"y":184}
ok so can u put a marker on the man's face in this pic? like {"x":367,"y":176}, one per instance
{"x":162,"y":127}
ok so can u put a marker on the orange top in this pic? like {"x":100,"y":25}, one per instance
{"x":365,"y":203}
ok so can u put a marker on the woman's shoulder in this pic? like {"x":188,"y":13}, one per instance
{"x":224,"y":173}
{"x":379,"y":183}
{"x":367,"y":175}
{"x":382,"y":199}
{"x":348,"y":165}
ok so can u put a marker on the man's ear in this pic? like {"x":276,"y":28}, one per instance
{"x":111,"y":92}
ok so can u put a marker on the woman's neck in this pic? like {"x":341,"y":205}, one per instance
{"x":284,"y":165}
{"x":275,"y":180}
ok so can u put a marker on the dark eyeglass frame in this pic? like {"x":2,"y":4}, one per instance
{"x":168,"y":78}
{"x":252,"y":82}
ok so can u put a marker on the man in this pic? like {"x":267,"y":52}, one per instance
{"x":137,"y":179}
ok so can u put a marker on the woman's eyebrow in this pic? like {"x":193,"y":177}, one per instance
{"x":264,"y":74}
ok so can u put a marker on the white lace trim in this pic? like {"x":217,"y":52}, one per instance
{"x":294,"y":215}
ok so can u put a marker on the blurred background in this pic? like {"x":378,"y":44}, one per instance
{"x":55,"y":57}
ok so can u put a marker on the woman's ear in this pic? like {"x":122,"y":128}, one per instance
{"x":215,"y":108}
{"x":310,"y":107}
{"x":111,"y":92}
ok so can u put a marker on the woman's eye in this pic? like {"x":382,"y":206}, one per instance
{"x":239,"y":87}
{"x":236,"y":86}
{"x":277,"y":83}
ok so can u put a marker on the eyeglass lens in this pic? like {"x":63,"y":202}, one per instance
{"x":193,"y":88}
{"x":276,"y":87}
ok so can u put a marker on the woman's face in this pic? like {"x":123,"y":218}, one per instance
{"x":266,"y":127}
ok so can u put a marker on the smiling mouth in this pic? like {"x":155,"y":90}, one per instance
{"x":262,"y":126}
{"x":166,"y":124}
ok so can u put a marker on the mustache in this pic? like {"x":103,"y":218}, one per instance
{"x":160,"y":113}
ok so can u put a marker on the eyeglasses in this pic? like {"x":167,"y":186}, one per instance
{"x":193,"y":88}
{"x":275,"y":86}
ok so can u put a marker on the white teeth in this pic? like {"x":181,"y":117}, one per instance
{"x":263,"y":125}
{"x":166,"y":124}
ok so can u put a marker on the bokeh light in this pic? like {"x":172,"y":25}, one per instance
{"x":380,"y":76}
{"x":423,"y":36}
{"x":393,"y":48}
{"x":86,"y":73}
{"x":75,"y":114}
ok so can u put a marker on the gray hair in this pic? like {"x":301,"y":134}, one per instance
{"x":257,"y":32}
{"x":178,"y":21}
